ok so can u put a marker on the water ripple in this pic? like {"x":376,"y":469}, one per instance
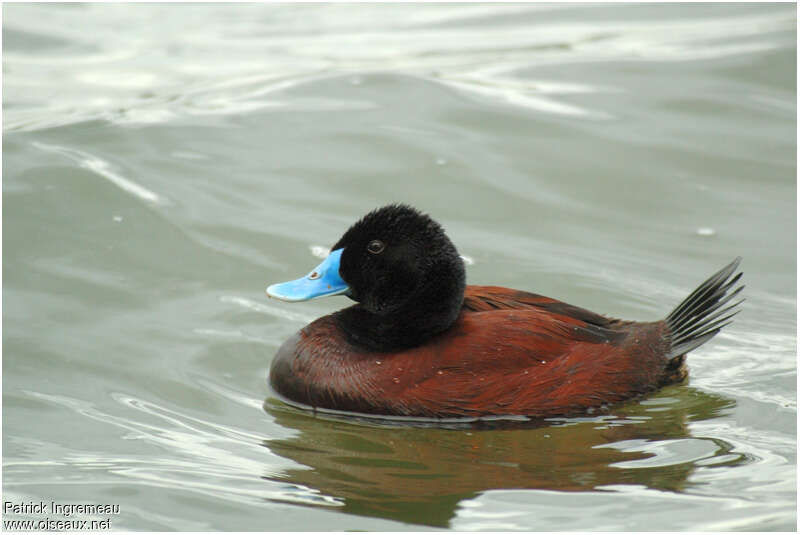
{"x":226,"y":69}
{"x":103,"y":169}
{"x":267,"y":309}
{"x":208,"y":458}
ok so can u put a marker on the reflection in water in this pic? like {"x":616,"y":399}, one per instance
{"x":420,"y":474}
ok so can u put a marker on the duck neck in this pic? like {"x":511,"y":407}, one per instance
{"x":430,"y":310}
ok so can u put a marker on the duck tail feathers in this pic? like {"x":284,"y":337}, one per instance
{"x":707,"y":310}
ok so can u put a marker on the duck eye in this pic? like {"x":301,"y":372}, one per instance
{"x":376,"y":246}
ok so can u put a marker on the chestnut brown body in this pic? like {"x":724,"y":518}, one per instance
{"x":508,"y":353}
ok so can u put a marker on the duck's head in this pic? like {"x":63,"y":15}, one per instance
{"x":400,"y":267}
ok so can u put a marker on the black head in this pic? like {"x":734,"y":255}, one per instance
{"x":405,"y":274}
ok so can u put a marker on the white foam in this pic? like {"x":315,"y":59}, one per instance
{"x":705,"y":231}
{"x":319,"y":251}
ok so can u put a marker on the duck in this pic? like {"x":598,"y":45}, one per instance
{"x":421,"y":343}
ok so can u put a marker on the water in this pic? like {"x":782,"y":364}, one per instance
{"x":162,"y":164}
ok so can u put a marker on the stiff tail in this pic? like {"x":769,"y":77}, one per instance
{"x":701,"y":315}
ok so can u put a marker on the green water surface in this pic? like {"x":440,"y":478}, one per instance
{"x":162,"y":164}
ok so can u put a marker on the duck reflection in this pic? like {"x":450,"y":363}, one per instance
{"x":420,"y":474}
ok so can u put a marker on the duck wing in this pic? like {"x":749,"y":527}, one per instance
{"x":486,"y":298}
